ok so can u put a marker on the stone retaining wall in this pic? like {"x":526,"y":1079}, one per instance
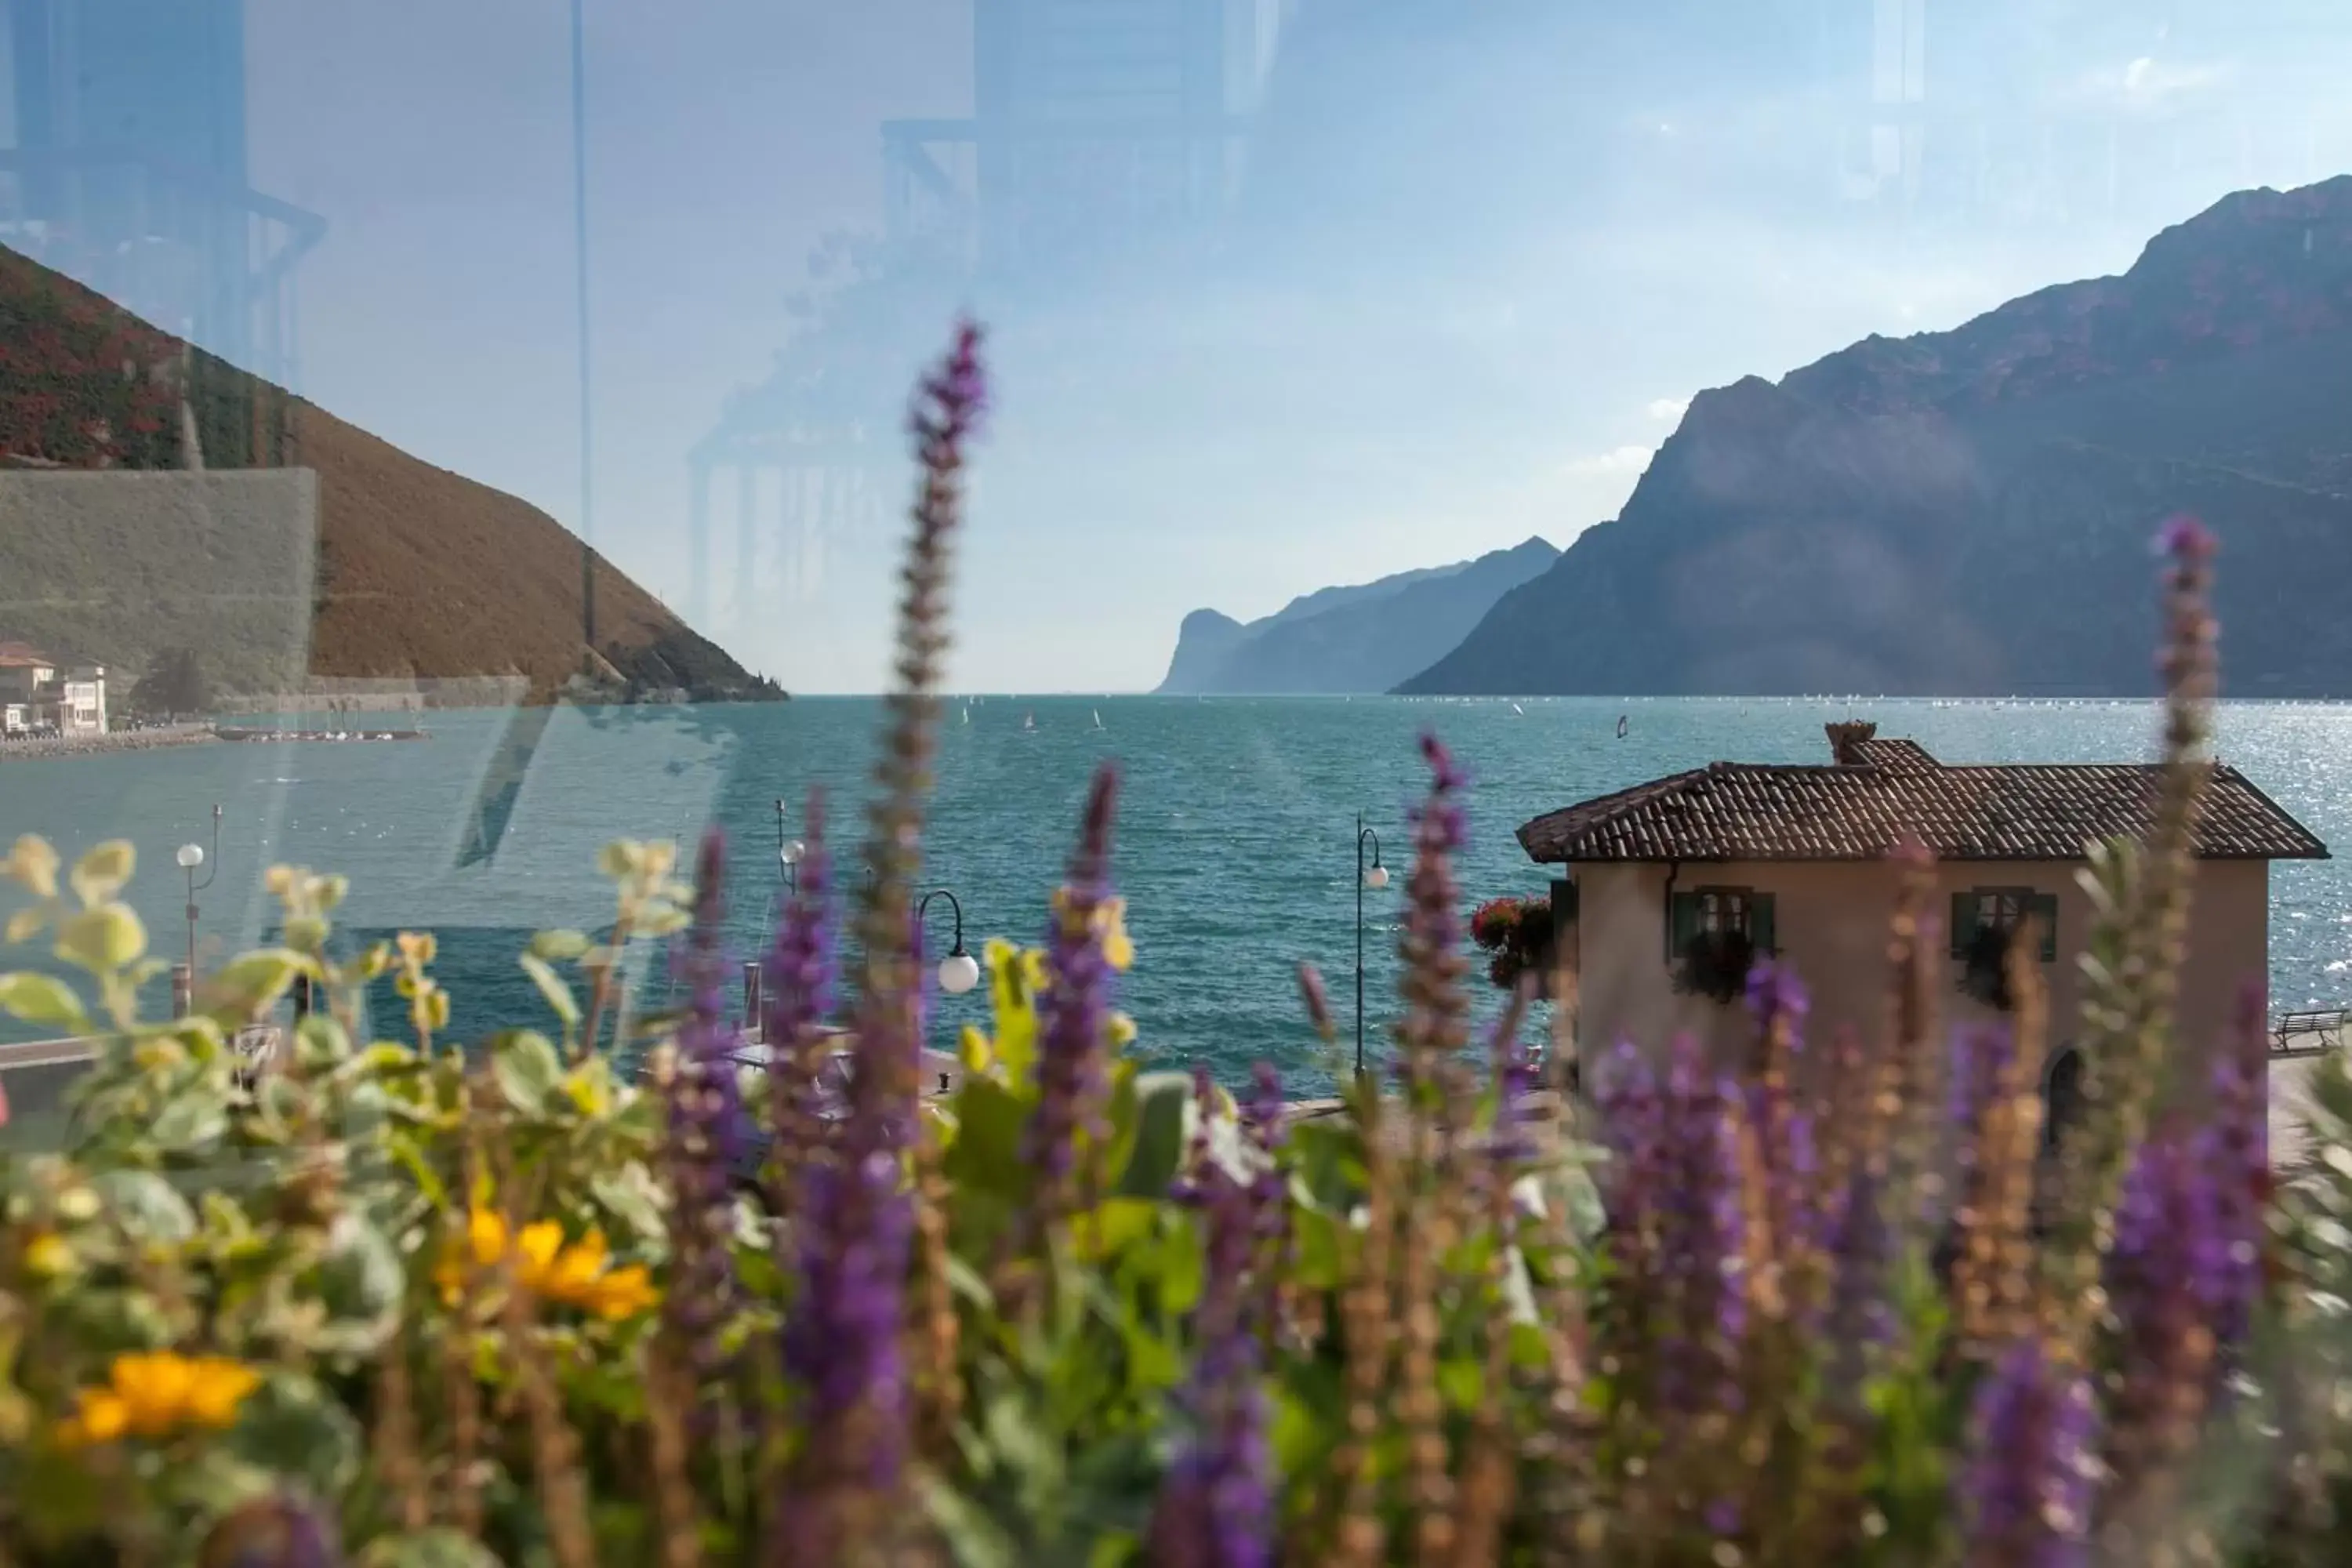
{"x":119,"y":740}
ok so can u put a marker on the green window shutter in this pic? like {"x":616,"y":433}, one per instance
{"x":1761,"y":933}
{"x":1681,"y":923}
{"x":1563,"y":907}
{"x":1964,"y":923}
{"x":2045,"y":911}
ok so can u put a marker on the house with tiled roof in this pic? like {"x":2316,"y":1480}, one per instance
{"x":1667,"y":892}
{"x":37,"y":692}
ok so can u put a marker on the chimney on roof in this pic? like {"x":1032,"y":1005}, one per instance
{"x":1846,"y":741}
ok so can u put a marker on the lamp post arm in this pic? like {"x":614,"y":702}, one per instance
{"x":923,"y":907}
{"x":211,"y":867}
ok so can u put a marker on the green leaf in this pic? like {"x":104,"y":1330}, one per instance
{"x":527,"y":1069}
{"x":106,"y":937}
{"x":630,"y":1196}
{"x":37,"y":999}
{"x":1112,"y":1226}
{"x":150,"y":1206}
{"x":559,"y":946}
{"x":976,"y":1539}
{"x":289,"y":1427}
{"x":1163,"y":1101}
{"x":966,"y":1282}
{"x":26,"y":921}
{"x":100,"y":874}
{"x":987,"y":1154}
{"x":359,"y":1280}
{"x":551,"y":986}
{"x":1461,"y":1381}
{"x":195,"y":1117}
{"x":411,"y":1157}
{"x":1317,"y":1263}
{"x":256,"y":981}
{"x":439,"y":1548}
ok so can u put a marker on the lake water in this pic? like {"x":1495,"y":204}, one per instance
{"x":1235,"y":841}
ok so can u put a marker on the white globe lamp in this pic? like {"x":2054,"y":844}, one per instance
{"x":190,"y":856}
{"x":958,"y":973}
{"x":1376,"y":877}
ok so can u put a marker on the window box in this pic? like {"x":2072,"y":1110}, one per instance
{"x":1984,"y":921}
{"x":1714,"y":937}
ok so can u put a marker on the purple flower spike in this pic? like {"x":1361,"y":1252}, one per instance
{"x":842,"y":1340}
{"x":705,"y":1131}
{"x":1775,"y":995}
{"x":798,"y":996}
{"x":275,"y":1531}
{"x":2184,"y":539}
{"x":2232,"y":1149}
{"x":1216,"y":1507}
{"x":1679,"y":1228}
{"x":2168,"y":1274}
{"x":1859,"y":1320}
{"x":2025,"y":1492}
{"x":1074,"y":1033}
{"x":954,"y":397}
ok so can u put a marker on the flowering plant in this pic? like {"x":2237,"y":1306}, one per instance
{"x":1984,"y":969}
{"x":394,"y":1302}
{"x":1716,"y":964}
{"x":1517,"y":932}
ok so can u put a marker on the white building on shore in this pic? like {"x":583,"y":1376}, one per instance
{"x":39,"y":693}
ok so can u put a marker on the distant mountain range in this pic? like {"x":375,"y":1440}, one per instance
{"x":415,"y":572}
{"x":1363,"y":638}
{"x":1969,"y":511}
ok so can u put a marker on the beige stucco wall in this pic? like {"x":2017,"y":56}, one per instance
{"x":1832,"y":922}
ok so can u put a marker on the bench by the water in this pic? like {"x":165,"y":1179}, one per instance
{"x":2309,"y":1034}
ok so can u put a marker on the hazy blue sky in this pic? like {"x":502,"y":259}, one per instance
{"x":1483,"y":254}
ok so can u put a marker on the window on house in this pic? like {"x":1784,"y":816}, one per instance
{"x":1990,"y":916}
{"x":1721,"y":912}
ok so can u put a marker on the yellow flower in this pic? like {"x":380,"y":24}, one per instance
{"x":154,"y":1394}
{"x":1110,"y":924}
{"x":535,"y":1251}
{"x":486,"y":1236}
{"x":623,"y":1293}
{"x":579,"y":1275}
{"x":48,"y":1256}
{"x":574,"y":1271}
{"x":418,"y":947}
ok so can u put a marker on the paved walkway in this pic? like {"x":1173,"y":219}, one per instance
{"x":2290,"y":1098}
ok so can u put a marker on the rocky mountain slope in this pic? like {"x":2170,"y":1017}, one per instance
{"x":1365,"y":638}
{"x":414,"y":571}
{"x":1968,"y":512}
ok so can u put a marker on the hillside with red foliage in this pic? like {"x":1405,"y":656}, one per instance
{"x":421,"y":571}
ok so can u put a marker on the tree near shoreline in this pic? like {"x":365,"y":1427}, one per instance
{"x":174,"y":684}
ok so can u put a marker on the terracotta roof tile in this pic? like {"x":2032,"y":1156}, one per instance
{"x":1746,"y":810}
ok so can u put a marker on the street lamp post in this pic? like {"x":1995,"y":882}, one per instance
{"x":1375,"y":876}
{"x":190,"y":856}
{"x":959,"y":970}
{"x":789,"y":853}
